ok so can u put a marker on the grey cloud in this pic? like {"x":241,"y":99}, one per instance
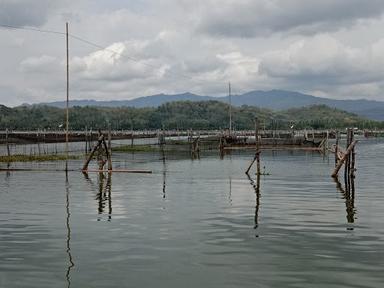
{"x":170,"y":57}
{"x":323,"y":62}
{"x":43,"y":64}
{"x":261,"y":18}
{"x":26,"y":12}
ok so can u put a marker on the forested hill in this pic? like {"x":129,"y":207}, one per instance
{"x":273,"y":99}
{"x":179,"y":115}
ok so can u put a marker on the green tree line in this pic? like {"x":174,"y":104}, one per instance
{"x":179,"y":115}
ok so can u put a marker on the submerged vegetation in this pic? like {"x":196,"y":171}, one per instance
{"x":136,"y":148}
{"x":37,"y":158}
{"x":180,"y":115}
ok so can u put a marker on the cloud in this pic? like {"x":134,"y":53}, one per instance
{"x":113,"y":64}
{"x":42,"y":64}
{"x":324,"y":63}
{"x":174,"y":46}
{"x":248,"y":18}
{"x":27,"y":12}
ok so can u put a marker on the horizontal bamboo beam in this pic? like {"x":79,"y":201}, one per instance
{"x":73,"y":170}
{"x":118,"y":171}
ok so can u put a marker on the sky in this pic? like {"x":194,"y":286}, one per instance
{"x":134,"y":48}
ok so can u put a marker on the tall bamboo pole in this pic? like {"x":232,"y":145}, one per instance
{"x":337,"y":148}
{"x":257,"y":146}
{"x":230,"y":108}
{"x":67,"y":104}
{"x":109,"y":148}
{"x":6,"y":142}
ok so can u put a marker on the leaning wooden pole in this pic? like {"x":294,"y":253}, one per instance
{"x":67,"y":103}
{"x":250,"y":165}
{"x":342,"y":160}
{"x":99,"y":141}
{"x":108,"y":155}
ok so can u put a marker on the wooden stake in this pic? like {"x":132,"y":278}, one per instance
{"x":6,"y":141}
{"x":257,"y":146}
{"x":337,"y":148}
{"x":250,"y":165}
{"x":131,"y":133}
{"x":257,"y":153}
{"x":230,"y":108}
{"x":99,"y":141}
{"x":108,"y":155}
{"x":86,"y":140}
{"x":67,"y":104}
{"x":109,"y":150}
{"x":342,"y":160}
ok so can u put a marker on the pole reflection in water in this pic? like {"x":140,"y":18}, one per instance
{"x":68,"y":214}
{"x":7,"y":179}
{"x":100,"y":194}
{"x":164,"y":177}
{"x":230,"y":191}
{"x":8,"y":174}
{"x":349,"y":195}
{"x":103,"y":194}
{"x":256,"y":187}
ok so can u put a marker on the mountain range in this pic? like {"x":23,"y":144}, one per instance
{"x":273,"y":99}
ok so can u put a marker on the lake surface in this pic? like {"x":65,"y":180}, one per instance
{"x":195,"y":223}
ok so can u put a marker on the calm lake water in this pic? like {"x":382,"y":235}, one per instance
{"x":195,"y":223}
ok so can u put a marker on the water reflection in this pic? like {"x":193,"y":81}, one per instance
{"x":224,"y":152}
{"x":7,"y":178}
{"x":195,"y":155}
{"x":256,"y":187}
{"x":8,"y":174}
{"x":104,"y":192}
{"x":230,"y":191}
{"x":349,"y":195}
{"x":68,"y":216}
{"x":164,"y":177}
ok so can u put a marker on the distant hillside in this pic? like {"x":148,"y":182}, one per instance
{"x":141,"y":102}
{"x":273,"y":99}
{"x":179,"y":115}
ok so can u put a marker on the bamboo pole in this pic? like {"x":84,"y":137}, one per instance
{"x":74,"y":170}
{"x":7,"y":143}
{"x":257,"y":153}
{"x":250,"y":165}
{"x":109,"y":150}
{"x":230,"y":108}
{"x":86,"y":140}
{"x":347,"y":160}
{"x":67,"y":104}
{"x":257,"y":146}
{"x":337,"y":148}
{"x":99,"y":141}
{"x":342,"y":160}
{"x":108,"y":155}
